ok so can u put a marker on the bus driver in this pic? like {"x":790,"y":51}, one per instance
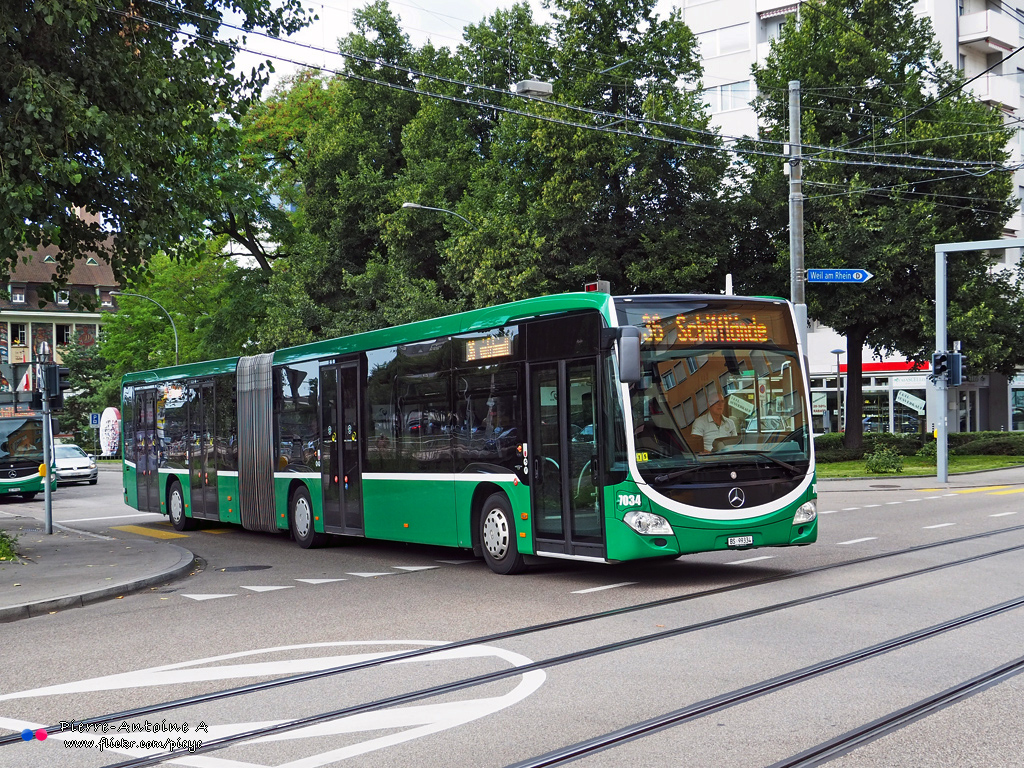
{"x":714,"y":423}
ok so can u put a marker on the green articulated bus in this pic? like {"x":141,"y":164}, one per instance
{"x":21,"y":456}
{"x":580,"y":426}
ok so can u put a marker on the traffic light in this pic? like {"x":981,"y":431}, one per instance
{"x":956,"y":369}
{"x":56,"y":383}
{"x":940,"y":365}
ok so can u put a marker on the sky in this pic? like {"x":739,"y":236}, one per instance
{"x":440,"y":21}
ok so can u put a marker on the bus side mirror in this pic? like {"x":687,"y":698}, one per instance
{"x":629,"y":354}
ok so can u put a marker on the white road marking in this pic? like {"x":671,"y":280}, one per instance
{"x":751,"y":560}
{"x":336,"y":740}
{"x":893,"y":502}
{"x":940,"y":525}
{"x":457,"y":562}
{"x":869,"y":506}
{"x":1003,"y":514}
{"x":856,"y":541}
{"x":371,"y":575}
{"x":319,"y":581}
{"x":828,"y":512}
{"x":206,"y":597}
{"x":113,"y":517}
{"x":849,"y":509}
{"x":598,"y":589}
{"x":266,"y":589}
{"x":415,"y":567}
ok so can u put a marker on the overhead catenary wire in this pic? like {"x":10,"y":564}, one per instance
{"x":982,"y":167}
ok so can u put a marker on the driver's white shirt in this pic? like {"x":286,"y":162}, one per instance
{"x":704,"y":426}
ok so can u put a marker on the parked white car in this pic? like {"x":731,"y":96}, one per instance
{"x":75,"y":465}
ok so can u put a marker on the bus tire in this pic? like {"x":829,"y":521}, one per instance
{"x":498,"y":536}
{"x":300,"y":519}
{"x":176,"y":508}
{"x":29,"y":496}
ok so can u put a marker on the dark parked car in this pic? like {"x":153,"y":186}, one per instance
{"x":75,"y":465}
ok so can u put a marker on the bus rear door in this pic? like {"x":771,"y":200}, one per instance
{"x":340,"y":453}
{"x":147,"y":453}
{"x":202,"y":455}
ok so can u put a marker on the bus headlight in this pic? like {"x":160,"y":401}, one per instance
{"x":647,"y":523}
{"x":806,"y":513}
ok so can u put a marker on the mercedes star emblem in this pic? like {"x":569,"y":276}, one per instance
{"x":736,"y":497}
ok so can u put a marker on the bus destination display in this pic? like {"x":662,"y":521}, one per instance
{"x":486,"y":348}
{"x":707,"y":328}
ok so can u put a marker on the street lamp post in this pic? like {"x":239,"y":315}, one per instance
{"x":442,"y":210}
{"x":839,"y":398}
{"x":173,"y":328}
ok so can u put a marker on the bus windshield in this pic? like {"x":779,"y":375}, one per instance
{"x":21,"y":439}
{"x":721,"y":388}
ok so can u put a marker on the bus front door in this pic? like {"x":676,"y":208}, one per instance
{"x":567,"y":519}
{"x":147,"y":453}
{"x":340,"y":453}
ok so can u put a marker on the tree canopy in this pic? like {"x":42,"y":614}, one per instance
{"x":112,"y":115}
{"x":887,"y":115}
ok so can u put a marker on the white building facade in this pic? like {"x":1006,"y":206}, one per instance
{"x":974,"y":35}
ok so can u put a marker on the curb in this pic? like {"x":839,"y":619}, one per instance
{"x":185,"y":563}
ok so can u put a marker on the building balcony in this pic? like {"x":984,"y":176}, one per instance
{"x":1001,"y":92}
{"x":989,"y":32}
{"x":771,"y":7}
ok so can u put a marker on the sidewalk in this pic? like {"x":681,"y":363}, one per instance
{"x":68,"y":569}
{"x":1009,"y":476}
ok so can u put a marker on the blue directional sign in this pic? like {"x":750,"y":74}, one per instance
{"x":838,"y":275}
{"x":94,"y":420}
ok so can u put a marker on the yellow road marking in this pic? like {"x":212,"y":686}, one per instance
{"x":1003,"y":493}
{"x":217,"y":530}
{"x":144,"y":531}
{"x":981,"y":490}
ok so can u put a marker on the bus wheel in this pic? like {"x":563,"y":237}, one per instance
{"x":29,"y":496}
{"x":300,"y":517}
{"x":498,"y":536}
{"x":176,"y":509}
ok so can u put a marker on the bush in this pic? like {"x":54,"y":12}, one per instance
{"x":829,"y":448}
{"x":1000,"y":444}
{"x":929,"y":450}
{"x":8,"y":542}
{"x":905,"y":444}
{"x":884,"y":461}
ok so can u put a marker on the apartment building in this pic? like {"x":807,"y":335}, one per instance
{"x":973,"y":34}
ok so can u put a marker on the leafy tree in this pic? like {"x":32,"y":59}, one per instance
{"x":108,"y":127}
{"x":873,"y":83}
{"x":565,"y":203}
{"x":93,"y":390}
{"x":217,"y":307}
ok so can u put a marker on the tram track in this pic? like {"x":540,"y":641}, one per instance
{"x":491,"y":677}
{"x":876,"y":729}
{"x":213,"y":696}
{"x":757,"y":690}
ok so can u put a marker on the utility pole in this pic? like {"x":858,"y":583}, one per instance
{"x":41,"y":379}
{"x":797,"y":273}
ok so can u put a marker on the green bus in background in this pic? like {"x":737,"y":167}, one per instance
{"x":21,"y":456}
{"x":579,"y":426}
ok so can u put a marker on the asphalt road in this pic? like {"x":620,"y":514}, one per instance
{"x":260,"y":608}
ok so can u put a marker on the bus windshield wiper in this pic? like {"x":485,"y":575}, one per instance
{"x":784,"y":464}
{"x":677,"y":473}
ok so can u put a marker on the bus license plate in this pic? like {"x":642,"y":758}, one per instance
{"x":741,"y":541}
